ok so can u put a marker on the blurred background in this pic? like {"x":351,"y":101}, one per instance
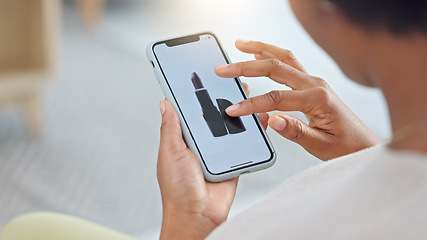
{"x":79,"y":118}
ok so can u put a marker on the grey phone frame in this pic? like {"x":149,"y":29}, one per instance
{"x":211,"y":177}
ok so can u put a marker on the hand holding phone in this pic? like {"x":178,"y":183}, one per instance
{"x":226,"y":146}
{"x":192,"y":207}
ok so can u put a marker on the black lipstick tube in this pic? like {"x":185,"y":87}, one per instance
{"x":234,"y":124}
{"x":212,"y":116}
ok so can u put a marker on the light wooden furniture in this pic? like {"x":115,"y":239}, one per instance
{"x":91,"y":11}
{"x":28,"y":44}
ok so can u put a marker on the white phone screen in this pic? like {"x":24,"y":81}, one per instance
{"x":224,"y":143}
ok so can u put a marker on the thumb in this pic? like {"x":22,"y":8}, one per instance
{"x":171,"y":140}
{"x":297,"y":131}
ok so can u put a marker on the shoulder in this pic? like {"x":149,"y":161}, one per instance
{"x":334,"y":168}
{"x":362,"y":193}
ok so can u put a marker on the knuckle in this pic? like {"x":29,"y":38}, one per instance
{"x":275,"y":64}
{"x":323,"y":94}
{"x":298,"y":131}
{"x":171,"y":150}
{"x":163,"y":126}
{"x":167,"y":126}
{"x":274,"y":97}
{"x":288,"y":54}
{"x":239,"y":64}
{"x":321,"y":82}
{"x":293,"y":71}
{"x":240,"y":68}
{"x":249,"y":102}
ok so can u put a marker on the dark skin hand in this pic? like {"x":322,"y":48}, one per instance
{"x":193,"y":207}
{"x":333,"y":129}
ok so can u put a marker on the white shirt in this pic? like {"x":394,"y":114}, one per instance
{"x":376,"y":193}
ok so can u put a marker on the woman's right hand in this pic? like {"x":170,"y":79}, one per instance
{"x":333,"y":129}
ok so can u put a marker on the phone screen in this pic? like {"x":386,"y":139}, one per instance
{"x":224,"y":143}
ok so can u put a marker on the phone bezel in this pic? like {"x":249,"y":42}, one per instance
{"x":194,"y":38}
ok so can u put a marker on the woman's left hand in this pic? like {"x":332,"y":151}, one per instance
{"x":192,"y":207}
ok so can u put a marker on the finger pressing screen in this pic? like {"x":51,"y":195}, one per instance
{"x":294,"y":100}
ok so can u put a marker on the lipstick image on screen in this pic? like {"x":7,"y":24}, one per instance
{"x":212,"y":116}
{"x":233,"y":124}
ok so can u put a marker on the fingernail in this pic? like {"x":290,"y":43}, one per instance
{"x":222,"y":66}
{"x":278,"y":123}
{"x":232,"y":109}
{"x":162,"y":107}
{"x":242,"y":41}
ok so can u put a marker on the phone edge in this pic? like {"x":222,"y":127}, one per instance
{"x":186,"y":132}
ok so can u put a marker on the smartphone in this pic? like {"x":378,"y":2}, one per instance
{"x":226,"y":146}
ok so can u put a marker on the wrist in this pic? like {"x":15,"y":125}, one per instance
{"x":178,"y":224}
